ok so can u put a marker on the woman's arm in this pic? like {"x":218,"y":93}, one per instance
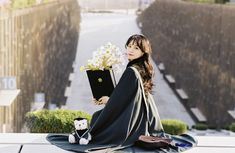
{"x":127,"y":77}
{"x":121,"y":97}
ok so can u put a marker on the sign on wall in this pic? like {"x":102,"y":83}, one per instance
{"x":39,"y":97}
{"x":8,"y":83}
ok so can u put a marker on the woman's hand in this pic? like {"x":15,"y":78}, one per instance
{"x":102,"y":100}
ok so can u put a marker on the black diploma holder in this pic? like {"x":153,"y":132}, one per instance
{"x":101,"y":82}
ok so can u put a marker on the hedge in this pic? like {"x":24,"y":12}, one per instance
{"x":174,"y":127}
{"x":209,"y":1}
{"x":200,"y":126}
{"x":201,"y":1}
{"x":61,"y":121}
{"x":53,"y":121}
{"x":18,"y":4}
{"x":232,"y":127}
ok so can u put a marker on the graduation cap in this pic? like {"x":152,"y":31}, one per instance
{"x":102,"y":82}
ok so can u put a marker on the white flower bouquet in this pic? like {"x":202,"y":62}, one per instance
{"x":100,"y":69}
{"x":105,"y":57}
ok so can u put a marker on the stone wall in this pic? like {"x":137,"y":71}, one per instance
{"x":196,"y":42}
{"x":38,"y":47}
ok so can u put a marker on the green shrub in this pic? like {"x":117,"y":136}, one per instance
{"x":201,"y":1}
{"x":200,"y":126}
{"x":221,"y":1}
{"x":226,"y":127}
{"x":175,"y":127}
{"x":212,"y":127}
{"x":53,"y":121}
{"x":22,"y":3}
{"x":25,"y":3}
{"x":232,"y":127}
{"x":209,"y":1}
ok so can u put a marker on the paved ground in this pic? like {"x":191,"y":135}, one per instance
{"x":98,"y":29}
{"x":37,"y":143}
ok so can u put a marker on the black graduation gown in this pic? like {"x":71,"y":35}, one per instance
{"x":122,"y":121}
{"x":124,"y":118}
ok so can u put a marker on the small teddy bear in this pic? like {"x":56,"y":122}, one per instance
{"x":81,"y":133}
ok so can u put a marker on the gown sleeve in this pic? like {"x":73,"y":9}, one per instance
{"x":120,"y":98}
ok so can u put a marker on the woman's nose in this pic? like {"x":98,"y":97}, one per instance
{"x":131,"y":50}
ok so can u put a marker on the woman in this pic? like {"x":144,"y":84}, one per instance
{"x":126,"y":114}
{"x":129,"y":112}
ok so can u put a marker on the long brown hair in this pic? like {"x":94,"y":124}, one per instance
{"x":145,"y":68}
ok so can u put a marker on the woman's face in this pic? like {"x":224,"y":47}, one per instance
{"x":133,"y":51}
